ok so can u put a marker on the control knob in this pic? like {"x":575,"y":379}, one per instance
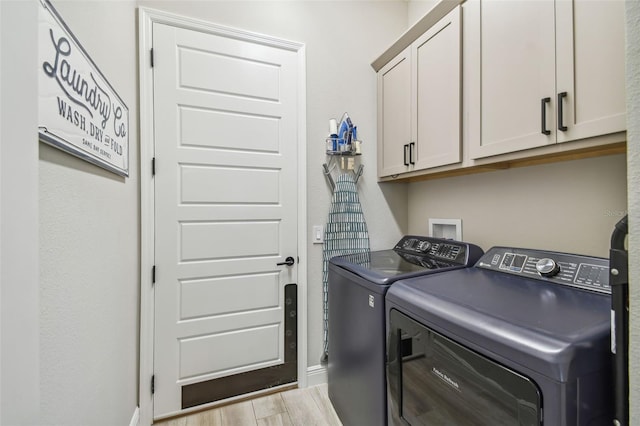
{"x":547,"y":267}
{"x":424,"y":246}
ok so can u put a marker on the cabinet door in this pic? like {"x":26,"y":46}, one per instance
{"x":394,"y":115}
{"x":517,"y":71}
{"x":436,"y":94}
{"x":590,"y":68}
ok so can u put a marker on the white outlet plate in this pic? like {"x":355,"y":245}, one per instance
{"x":446,"y":228}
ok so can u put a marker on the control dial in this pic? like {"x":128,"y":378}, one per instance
{"x":547,"y":267}
{"x":424,"y":246}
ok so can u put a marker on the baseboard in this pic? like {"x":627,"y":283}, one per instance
{"x":316,"y":375}
{"x":135,"y":419}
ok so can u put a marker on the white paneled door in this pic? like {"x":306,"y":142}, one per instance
{"x":226,"y":197}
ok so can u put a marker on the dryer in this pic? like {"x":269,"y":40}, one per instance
{"x":521,"y":338}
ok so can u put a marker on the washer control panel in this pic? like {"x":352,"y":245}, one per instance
{"x":438,"y":248}
{"x":586,"y":272}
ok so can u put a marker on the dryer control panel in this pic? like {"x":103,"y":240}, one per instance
{"x":585,"y":272}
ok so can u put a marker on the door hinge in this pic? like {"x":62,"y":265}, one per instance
{"x":152,"y":57}
{"x":153,"y":274}
{"x":153,"y":384}
{"x":153,"y":166}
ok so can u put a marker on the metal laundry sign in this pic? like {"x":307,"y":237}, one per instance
{"x":78,"y":110}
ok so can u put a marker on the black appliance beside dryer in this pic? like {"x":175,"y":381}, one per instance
{"x":357,"y":287}
{"x":619,"y":264}
{"x":522,"y":338}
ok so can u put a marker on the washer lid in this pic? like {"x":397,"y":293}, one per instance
{"x":412,"y":256}
{"x":387,"y":266}
{"x":559,"y":331}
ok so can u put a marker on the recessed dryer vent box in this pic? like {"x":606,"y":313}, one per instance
{"x":446,"y":228}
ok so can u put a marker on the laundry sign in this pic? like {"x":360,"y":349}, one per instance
{"x":78,"y":110}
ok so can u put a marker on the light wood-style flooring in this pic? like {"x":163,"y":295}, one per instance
{"x":296,"y":407}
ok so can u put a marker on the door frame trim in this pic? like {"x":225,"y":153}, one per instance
{"x":146,"y":18}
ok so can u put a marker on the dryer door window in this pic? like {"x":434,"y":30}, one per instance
{"x":433,"y":380}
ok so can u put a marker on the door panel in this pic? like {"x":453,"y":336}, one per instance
{"x":517,"y":69}
{"x":590,"y":67}
{"x":196,"y":240}
{"x":225,"y":295}
{"x":228,"y":73}
{"x":202,"y":354}
{"x":226,"y":208}
{"x":436,"y":94}
{"x":201,"y":127}
{"x":394,"y":114}
{"x":251,"y":186}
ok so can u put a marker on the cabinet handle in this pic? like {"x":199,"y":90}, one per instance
{"x":406,"y":148}
{"x":412,"y":145}
{"x":561,"y":126}
{"x":543,"y":115}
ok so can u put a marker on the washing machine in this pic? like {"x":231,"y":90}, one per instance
{"x":357,"y":285}
{"x":521,"y":338}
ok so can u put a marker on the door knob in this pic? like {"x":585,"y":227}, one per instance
{"x":289,"y":261}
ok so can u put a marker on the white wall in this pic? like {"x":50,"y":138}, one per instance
{"x":19,"y":367}
{"x":89,"y":249}
{"x":569,"y":206}
{"x":633,"y":173}
{"x":342,"y":38}
{"x":418,"y":8}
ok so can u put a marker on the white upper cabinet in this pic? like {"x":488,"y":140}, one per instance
{"x":517,"y":71}
{"x":548,"y":71}
{"x":590,"y":62}
{"x":419,"y":102}
{"x":436,"y":94}
{"x":394,"y":115}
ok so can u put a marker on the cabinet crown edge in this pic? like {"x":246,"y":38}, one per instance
{"x":434,"y":15}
